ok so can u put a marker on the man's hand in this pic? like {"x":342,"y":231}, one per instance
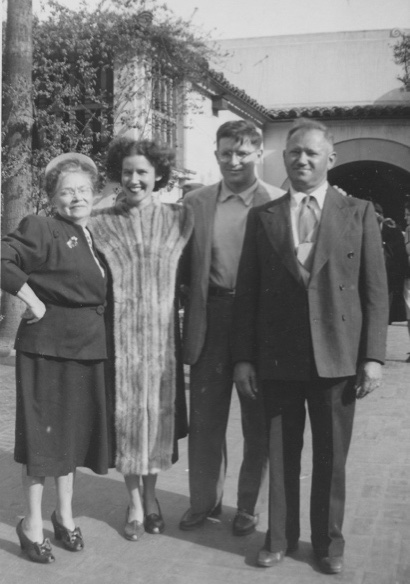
{"x":369,"y":374}
{"x":244,"y":376}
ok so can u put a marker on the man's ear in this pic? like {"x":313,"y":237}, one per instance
{"x":331,"y":160}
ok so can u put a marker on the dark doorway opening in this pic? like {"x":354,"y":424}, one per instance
{"x":379,"y":182}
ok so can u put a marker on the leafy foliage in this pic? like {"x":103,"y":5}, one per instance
{"x":401,"y":51}
{"x":77,"y":97}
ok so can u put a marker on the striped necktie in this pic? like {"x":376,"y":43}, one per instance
{"x":307,"y":225}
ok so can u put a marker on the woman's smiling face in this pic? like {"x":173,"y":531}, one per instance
{"x":74,"y":195}
{"x":138,"y":179}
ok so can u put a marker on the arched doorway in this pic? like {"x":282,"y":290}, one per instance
{"x":380,"y":182}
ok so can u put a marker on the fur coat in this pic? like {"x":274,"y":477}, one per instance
{"x":142,"y":247}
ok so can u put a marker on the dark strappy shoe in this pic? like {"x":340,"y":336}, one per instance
{"x":36,"y":552}
{"x":71,"y":540}
{"x":154,"y":522}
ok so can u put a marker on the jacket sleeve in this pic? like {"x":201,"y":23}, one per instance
{"x":373,"y":291}
{"x":184,"y":268}
{"x":245,"y":311}
{"x":22,"y":252}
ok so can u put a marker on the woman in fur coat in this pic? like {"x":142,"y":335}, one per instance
{"x":142,"y":240}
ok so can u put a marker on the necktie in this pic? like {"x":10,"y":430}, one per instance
{"x":307,"y":225}
{"x":307,"y":219}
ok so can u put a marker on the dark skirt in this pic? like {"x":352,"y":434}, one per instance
{"x":61,"y":416}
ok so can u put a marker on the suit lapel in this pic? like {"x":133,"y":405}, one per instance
{"x":333,"y":224}
{"x":261,"y":196}
{"x":277,"y":223}
{"x":204,"y":221}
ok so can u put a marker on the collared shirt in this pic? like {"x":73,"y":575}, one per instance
{"x":229,"y":231}
{"x":296,"y":199}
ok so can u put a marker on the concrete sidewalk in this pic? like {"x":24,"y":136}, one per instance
{"x":377,"y":523}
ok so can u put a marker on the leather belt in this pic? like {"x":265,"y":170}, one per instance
{"x":100,"y":309}
{"x":221,"y":292}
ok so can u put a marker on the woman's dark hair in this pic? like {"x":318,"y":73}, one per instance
{"x":65,"y":167}
{"x":158,"y":155}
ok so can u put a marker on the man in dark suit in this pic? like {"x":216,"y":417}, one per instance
{"x":395,"y":258}
{"x":220,"y":212}
{"x":309,"y":325}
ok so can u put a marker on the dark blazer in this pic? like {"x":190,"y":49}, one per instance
{"x":284,"y":327}
{"x":198,"y":254}
{"x":52,"y":255}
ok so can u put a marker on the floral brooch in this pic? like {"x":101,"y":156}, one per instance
{"x":72,"y":242}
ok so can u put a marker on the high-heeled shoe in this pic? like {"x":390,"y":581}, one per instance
{"x":154,"y":522}
{"x":71,"y":540}
{"x":133,"y":530}
{"x":36,"y":552}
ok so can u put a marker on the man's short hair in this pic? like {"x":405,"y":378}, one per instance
{"x":305,"y":124}
{"x":239,"y":130}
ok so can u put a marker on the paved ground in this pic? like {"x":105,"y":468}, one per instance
{"x":377,"y":525}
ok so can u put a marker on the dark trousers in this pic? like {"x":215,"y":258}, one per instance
{"x":210,"y":398}
{"x":331,"y":405}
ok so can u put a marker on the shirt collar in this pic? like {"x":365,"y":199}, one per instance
{"x":319,"y":194}
{"x":246,"y":195}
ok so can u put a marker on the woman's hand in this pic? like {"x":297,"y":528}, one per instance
{"x":35,"y":313}
{"x":36,"y":309}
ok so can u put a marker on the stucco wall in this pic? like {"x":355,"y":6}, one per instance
{"x":327,"y":69}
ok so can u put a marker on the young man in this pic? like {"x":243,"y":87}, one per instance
{"x":213,"y":255}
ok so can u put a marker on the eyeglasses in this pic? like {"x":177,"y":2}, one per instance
{"x":227,"y":155}
{"x":71,"y":192}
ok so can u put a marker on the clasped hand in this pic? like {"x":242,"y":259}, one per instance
{"x":34,"y":313}
{"x":244,"y":376}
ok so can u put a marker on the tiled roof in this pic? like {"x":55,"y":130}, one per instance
{"x":335,"y":112}
{"x":221,"y":80}
{"x":338,"y":112}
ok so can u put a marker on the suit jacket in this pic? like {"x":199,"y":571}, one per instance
{"x":285,"y":328}
{"x":52,"y":255}
{"x":198,"y":257}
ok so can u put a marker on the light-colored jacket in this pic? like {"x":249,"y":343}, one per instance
{"x":203,"y":204}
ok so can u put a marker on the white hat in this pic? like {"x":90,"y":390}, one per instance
{"x":69,"y":156}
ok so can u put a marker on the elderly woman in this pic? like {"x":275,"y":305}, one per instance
{"x":61,"y":420}
{"x":142,"y":240}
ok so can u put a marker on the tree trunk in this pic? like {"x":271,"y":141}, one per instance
{"x":17,"y":127}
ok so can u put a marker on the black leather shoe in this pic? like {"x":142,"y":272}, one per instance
{"x":331,"y":565}
{"x":268,"y":559}
{"x":216,"y":511}
{"x":192,"y":520}
{"x":133,"y":530}
{"x":154,"y":522}
{"x":244,"y":523}
{"x":36,"y":552}
{"x":71,"y":540}
{"x":292,"y":548}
